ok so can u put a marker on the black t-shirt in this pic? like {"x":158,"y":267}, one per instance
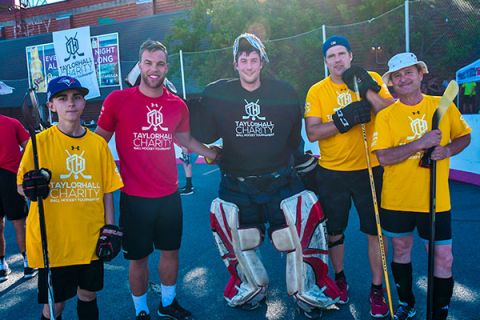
{"x":260,"y":129}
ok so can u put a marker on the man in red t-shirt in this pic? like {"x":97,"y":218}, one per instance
{"x":12,"y":205}
{"x":146,"y":119}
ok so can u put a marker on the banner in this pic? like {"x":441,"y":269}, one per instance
{"x":75,"y":58}
{"x":42,"y":62}
{"x":107,"y":60}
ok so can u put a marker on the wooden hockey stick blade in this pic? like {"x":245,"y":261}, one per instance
{"x":447,"y":99}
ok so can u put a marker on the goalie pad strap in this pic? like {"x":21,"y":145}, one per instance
{"x":249,"y":278}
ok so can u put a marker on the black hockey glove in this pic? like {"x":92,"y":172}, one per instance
{"x":110,"y":242}
{"x":364,"y":80}
{"x":352,"y":114}
{"x":36,"y":184}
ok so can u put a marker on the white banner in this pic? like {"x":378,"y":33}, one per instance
{"x":73,"y":49}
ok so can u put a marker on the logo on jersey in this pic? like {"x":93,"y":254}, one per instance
{"x":76,"y":189}
{"x":148,"y":140}
{"x":154,"y":118}
{"x":344,"y":98}
{"x":252,"y":109}
{"x":253,"y":124}
{"x":419,"y":126}
{"x":76,"y":165}
{"x":308,"y":107}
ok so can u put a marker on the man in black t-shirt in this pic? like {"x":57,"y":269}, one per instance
{"x":259,"y":121}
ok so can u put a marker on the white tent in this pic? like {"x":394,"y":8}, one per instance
{"x":470,"y":73}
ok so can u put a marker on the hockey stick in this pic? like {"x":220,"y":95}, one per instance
{"x":375,"y":208}
{"x":445,"y":101}
{"x":32,"y":120}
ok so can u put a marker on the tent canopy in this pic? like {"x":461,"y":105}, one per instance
{"x":470,"y":73}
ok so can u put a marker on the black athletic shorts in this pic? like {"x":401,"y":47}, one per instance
{"x":337,"y":189}
{"x":403,"y":223}
{"x":149,"y":223}
{"x":258,"y":198}
{"x":66,"y":281}
{"x":12,"y":205}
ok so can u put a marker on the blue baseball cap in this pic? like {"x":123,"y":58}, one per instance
{"x":335,"y":41}
{"x":64,"y":83}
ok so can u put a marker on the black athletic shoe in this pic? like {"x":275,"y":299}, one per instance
{"x":404,"y":312}
{"x":4,"y":274}
{"x":143,"y":316}
{"x":29,"y":273}
{"x":185,"y":191}
{"x":174,"y":311}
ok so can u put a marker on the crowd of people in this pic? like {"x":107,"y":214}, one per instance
{"x":370,"y":145}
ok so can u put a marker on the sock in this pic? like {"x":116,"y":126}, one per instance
{"x":3,"y":263}
{"x":25,"y":260}
{"x":339,"y":275}
{"x":168,"y":294}
{"x":377,"y":286}
{"x":87,"y":310}
{"x":441,"y":297}
{"x":402,"y":274}
{"x":140,"y":303}
{"x":189,"y":182}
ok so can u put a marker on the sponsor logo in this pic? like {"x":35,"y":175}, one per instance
{"x":160,"y":138}
{"x":154,"y":118}
{"x":75,"y":185}
{"x":253,"y":124}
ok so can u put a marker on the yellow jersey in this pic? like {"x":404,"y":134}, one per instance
{"x":83,"y":170}
{"x":342,"y":151}
{"x":406,"y":185}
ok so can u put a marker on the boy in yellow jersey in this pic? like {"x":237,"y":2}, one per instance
{"x":76,"y":181}
{"x":333,"y":114}
{"x":402,"y":135}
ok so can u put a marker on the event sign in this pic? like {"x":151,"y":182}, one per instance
{"x":42,"y":62}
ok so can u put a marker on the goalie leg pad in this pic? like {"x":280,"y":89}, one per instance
{"x":249,"y":279}
{"x":304,"y":239}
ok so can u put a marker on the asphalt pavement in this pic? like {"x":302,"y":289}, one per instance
{"x":202,"y":274}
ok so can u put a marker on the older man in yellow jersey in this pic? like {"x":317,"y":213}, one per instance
{"x":402,"y":135}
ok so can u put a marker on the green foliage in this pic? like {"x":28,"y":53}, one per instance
{"x":291,"y":31}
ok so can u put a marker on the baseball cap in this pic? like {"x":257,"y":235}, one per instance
{"x":63,"y":83}
{"x":335,"y":41}
{"x":400,"y":61}
{"x":254,"y":42}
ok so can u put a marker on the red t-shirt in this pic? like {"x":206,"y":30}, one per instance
{"x":12,"y":134}
{"x":144,"y":129}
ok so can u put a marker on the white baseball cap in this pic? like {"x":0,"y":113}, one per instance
{"x":400,"y":61}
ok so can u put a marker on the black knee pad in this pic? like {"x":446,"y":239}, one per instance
{"x":87,"y":310}
{"x":336,"y":243}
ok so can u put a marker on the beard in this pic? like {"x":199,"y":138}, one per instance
{"x":153,"y":84}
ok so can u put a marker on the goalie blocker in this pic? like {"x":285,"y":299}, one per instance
{"x":303,"y":239}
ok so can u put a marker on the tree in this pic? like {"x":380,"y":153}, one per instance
{"x":292,"y":33}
